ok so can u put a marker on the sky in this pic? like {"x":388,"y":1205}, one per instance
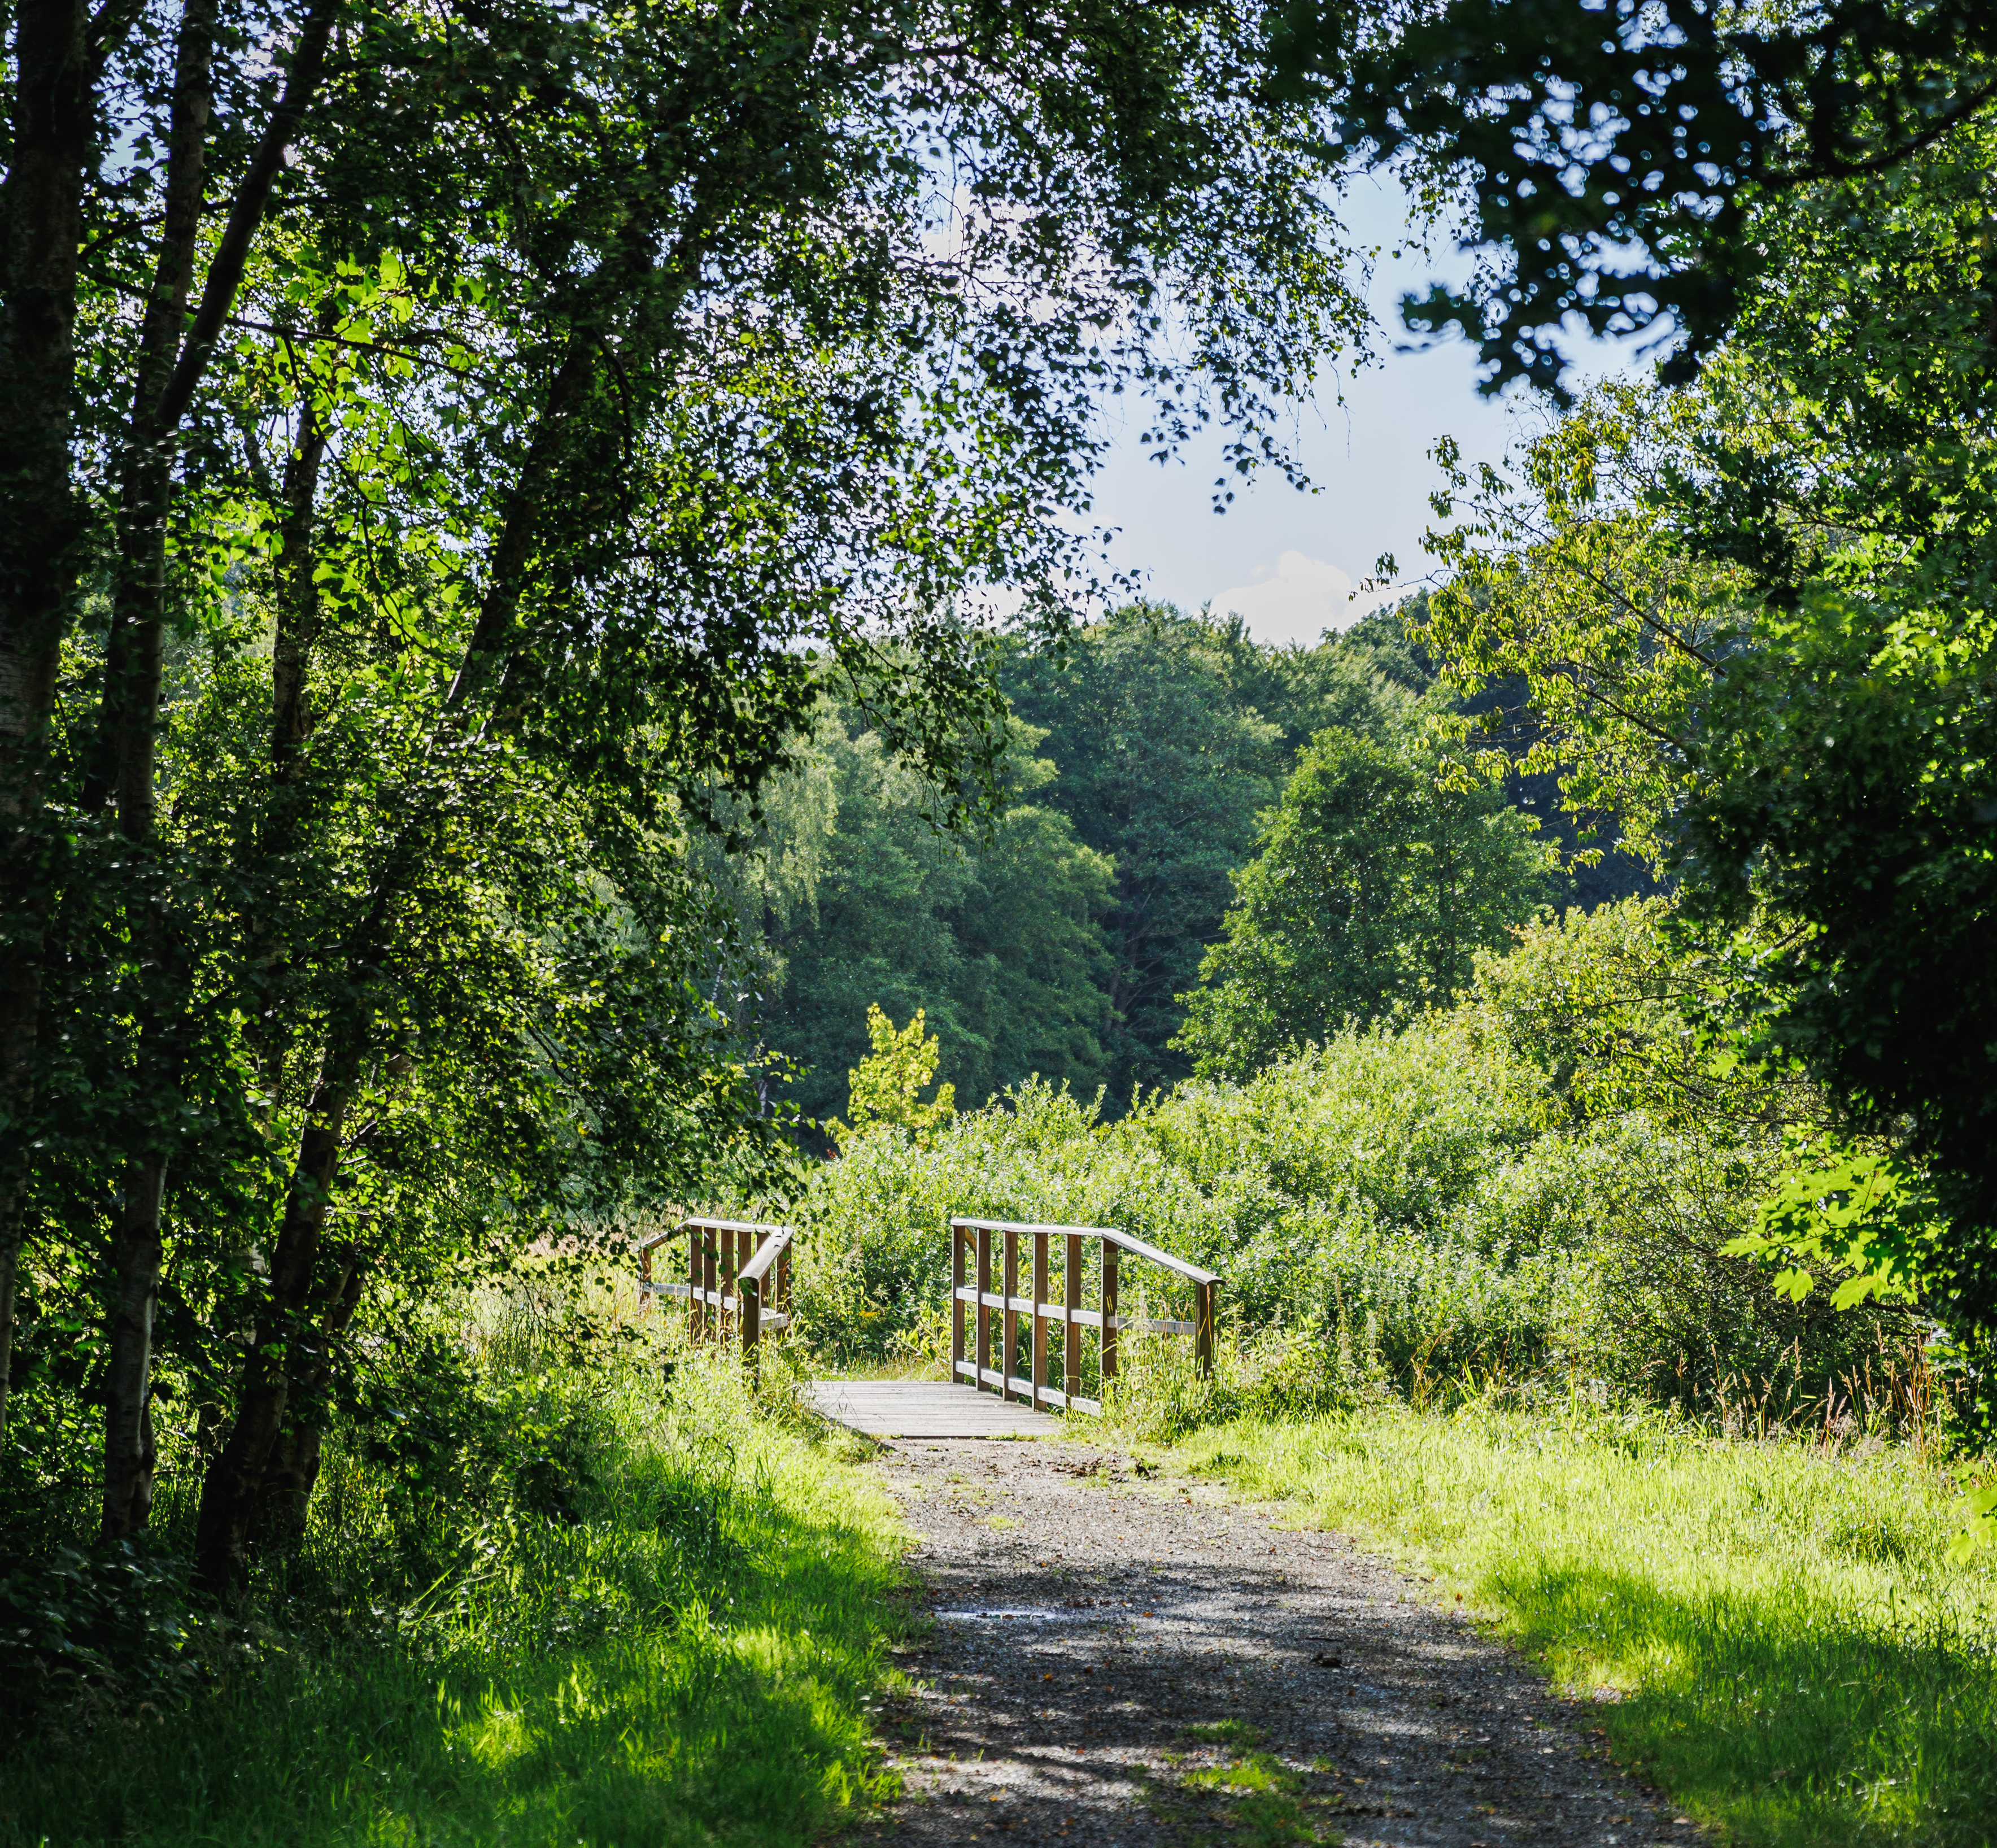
{"x":1288,"y":562}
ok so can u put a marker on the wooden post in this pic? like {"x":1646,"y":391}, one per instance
{"x":710,"y":1309}
{"x":783,"y":1297}
{"x":1202,"y":1338}
{"x":956,"y":1302}
{"x":983,"y":1308}
{"x":1009,"y":1317}
{"x":1071,"y":1335}
{"x":1108,"y":1342}
{"x":731,"y":1319}
{"x":703,"y":1281}
{"x":1040,"y":1314}
{"x":752,"y":1319}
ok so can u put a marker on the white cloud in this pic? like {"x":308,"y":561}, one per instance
{"x":1297,"y":600}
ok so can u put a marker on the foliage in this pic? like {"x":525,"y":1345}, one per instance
{"x":887,"y":1084}
{"x":1386,"y":868}
{"x":1859,"y":1210}
{"x":104,"y":1631}
{"x":848,"y":895}
{"x":1141,"y":751}
{"x":1842,"y":779}
{"x":1161,"y":766}
{"x":1169,"y":734}
{"x":480,"y":498}
{"x":1773,"y":1632}
{"x":1571,"y":580}
{"x":1756,"y":614}
{"x":1533,"y":1187}
{"x":682,"y":1641}
{"x":1609,"y":166}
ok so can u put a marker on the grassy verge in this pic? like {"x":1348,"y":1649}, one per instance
{"x":687,"y":1656}
{"x":1772,"y":1631}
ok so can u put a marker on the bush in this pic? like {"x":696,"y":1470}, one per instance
{"x":1526,"y":1188}
{"x":94,"y":1630}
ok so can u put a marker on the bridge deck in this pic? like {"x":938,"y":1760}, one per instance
{"x":925,"y":1408}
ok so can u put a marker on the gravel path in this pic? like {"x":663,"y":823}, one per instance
{"x":1128,"y":1660}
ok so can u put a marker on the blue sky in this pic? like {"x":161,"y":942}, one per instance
{"x":1287,"y":561}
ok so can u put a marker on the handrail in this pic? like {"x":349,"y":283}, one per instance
{"x":1069,"y":1316}
{"x":1137,"y":1247}
{"x":729,"y":1263}
{"x":771,"y":1249}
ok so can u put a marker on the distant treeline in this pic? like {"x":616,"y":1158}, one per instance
{"x":1147,"y":752}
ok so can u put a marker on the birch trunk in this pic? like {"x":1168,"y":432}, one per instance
{"x":54,"y":104}
{"x":129,"y":749}
{"x":129,"y":1450}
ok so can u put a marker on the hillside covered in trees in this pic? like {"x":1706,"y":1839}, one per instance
{"x":1148,"y":760}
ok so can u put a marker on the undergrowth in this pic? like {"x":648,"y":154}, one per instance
{"x":638,"y":1620}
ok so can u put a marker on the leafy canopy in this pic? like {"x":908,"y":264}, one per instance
{"x":1386,"y":867}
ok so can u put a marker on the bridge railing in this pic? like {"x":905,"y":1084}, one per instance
{"x":983,"y":1306}
{"x":738,"y":1278}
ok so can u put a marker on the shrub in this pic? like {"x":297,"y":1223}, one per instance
{"x":1530,"y":1187}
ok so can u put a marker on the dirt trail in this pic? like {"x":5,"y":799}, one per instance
{"x":1177,"y":1669}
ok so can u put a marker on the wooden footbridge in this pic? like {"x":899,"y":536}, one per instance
{"x":1009,"y":1344}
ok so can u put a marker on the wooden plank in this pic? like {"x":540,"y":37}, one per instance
{"x":1040,"y":1330}
{"x":981,"y":1351}
{"x":955,"y":1300}
{"x":1055,"y":1312}
{"x":924,"y":1408}
{"x":1009,"y":1318}
{"x":1137,"y":1247}
{"x":729,"y":1226}
{"x":1106,"y":1347}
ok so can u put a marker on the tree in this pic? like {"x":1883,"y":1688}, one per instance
{"x":1570,"y":580}
{"x":475,"y":484}
{"x":1612,"y":167}
{"x":1161,"y":767}
{"x":853,"y":894}
{"x":886,"y":1086}
{"x":1759,"y":611}
{"x":1171,"y":734}
{"x":1384,"y":871}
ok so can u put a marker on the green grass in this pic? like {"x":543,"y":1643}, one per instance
{"x":1772,"y":1630}
{"x":1255,"y":1799}
{"x":692,"y":1662}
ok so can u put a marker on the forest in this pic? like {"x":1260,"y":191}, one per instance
{"x":507,"y":741}
{"x":1141,"y":762}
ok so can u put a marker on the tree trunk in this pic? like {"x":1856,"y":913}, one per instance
{"x":125,"y":753}
{"x":129,"y":740}
{"x":234,"y":1482}
{"x":298,"y":629}
{"x":298,"y":596}
{"x":129,"y":1451}
{"x":268,"y":1461}
{"x":54,"y":100}
{"x":289,"y":1477}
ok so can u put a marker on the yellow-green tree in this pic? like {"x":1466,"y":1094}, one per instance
{"x":887,"y":1084}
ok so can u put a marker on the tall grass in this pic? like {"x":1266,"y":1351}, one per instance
{"x":679,"y":1646}
{"x":1772,"y":1629}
